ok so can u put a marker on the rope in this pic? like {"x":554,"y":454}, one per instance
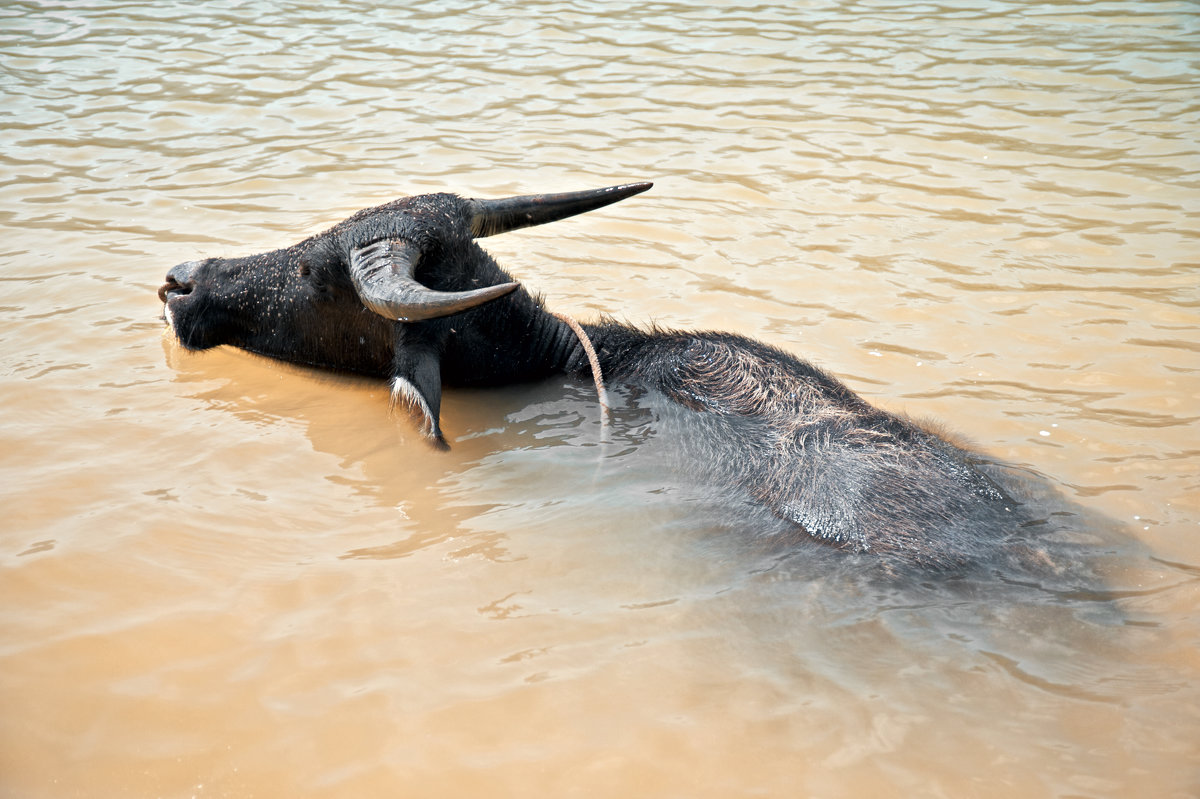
{"x":597,"y":377}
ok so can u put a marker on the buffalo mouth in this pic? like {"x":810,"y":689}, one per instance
{"x":180,"y":282}
{"x":169,"y":291}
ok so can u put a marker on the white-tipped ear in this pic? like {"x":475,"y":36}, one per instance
{"x":417,"y":377}
{"x":406,"y":394}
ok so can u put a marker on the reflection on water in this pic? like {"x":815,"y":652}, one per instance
{"x":226,"y":576}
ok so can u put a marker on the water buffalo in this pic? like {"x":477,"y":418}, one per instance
{"x":403,"y":291}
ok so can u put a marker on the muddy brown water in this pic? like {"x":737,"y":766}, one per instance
{"x":225,"y":576}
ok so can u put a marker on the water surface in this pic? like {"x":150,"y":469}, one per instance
{"x":224,"y":576}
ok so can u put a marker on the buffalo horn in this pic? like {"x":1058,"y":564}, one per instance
{"x":383,"y":277}
{"x":489,"y":217}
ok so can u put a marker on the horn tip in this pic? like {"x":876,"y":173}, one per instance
{"x":630,"y":189}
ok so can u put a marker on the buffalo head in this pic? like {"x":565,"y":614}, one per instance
{"x":401,"y":291}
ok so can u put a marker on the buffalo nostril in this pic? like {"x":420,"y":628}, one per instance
{"x":180,"y":280}
{"x":172,"y":288}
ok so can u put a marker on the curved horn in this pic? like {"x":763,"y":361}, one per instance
{"x":383,"y":277}
{"x":489,"y":217}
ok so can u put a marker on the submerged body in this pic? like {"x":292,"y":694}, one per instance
{"x":811,"y":450}
{"x":404,"y":292}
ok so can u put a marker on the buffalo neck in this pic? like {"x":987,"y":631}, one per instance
{"x":506,"y":341}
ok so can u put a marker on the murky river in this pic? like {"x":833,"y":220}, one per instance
{"x":225,"y":576}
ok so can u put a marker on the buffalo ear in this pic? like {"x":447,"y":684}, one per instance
{"x":417,"y":381}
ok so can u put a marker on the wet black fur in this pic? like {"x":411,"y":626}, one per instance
{"x":755,"y":418}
